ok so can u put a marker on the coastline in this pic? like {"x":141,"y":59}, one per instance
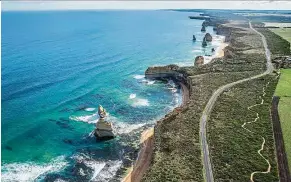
{"x":142,"y":163}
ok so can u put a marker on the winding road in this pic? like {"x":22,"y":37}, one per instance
{"x":207,"y":169}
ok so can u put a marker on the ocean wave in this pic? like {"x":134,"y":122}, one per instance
{"x":89,"y":109}
{"x":30,"y":171}
{"x":132,"y":96}
{"x":102,"y":170}
{"x":138,"y":77}
{"x":140,"y":102}
{"x":148,"y":82}
{"x":93,"y":118}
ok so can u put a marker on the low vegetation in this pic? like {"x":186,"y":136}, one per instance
{"x":233,"y":149}
{"x":177,"y":152}
{"x":284,"y":91}
{"x":277,"y":45}
{"x":285,"y":33}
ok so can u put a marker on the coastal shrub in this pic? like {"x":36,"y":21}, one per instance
{"x":277,"y":45}
{"x":232,"y":148}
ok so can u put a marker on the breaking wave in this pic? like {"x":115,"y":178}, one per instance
{"x":140,"y":102}
{"x":23,"y":172}
{"x":138,"y":76}
{"x":89,"y":109}
{"x":102,"y":170}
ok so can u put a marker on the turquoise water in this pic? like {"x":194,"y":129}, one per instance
{"x":57,"y":67}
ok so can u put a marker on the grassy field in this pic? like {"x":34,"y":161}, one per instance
{"x":284,"y":91}
{"x":285,"y":33}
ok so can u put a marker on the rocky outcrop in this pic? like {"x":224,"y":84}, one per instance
{"x":212,"y":50}
{"x":162,"y":72}
{"x":203,"y":29}
{"x":282,"y":62}
{"x":194,"y":38}
{"x":204,"y":43}
{"x":225,"y":31}
{"x":228,"y":52}
{"x":199,"y":60}
{"x":208,"y":37}
{"x":199,"y":17}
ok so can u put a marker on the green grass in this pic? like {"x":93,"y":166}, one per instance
{"x":284,"y":86}
{"x":285,"y":33}
{"x":284,"y":91}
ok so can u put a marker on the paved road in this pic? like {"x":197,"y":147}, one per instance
{"x":207,"y":169}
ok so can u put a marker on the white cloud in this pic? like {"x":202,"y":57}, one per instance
{"x":75,"y":5}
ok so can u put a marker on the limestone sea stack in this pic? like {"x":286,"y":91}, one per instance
{"x":104,"y":129}
{"x":204,"y":43}
{"x":199,"y":60}
{"x":194,"y":38}
{"x":203,"y":29}
{"x":208,"y":37}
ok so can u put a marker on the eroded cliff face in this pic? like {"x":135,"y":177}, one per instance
{"x":172,"y":72}
{"x":163,"y":72}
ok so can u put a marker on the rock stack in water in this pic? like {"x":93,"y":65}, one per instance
{"x":208,"y":37}
{"x":104,"y":128}
{"x":204,"y":43}
{"x":203,"y":29}
{"x":199,"y":60}
{"x":194,"y":38}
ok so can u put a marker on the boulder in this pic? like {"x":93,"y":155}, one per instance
{"x":199,"y":60}
{"x":208,"y":37}
{"x":194,"y":38}
{"x":203,"y":29}
{"x":228,"y":53}
{"x":204,"y":43}
{"x":282,"y":62}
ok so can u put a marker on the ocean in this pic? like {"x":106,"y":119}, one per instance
{"x":58,"y":66}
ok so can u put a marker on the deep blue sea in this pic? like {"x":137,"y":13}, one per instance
{"x":58,"y":66}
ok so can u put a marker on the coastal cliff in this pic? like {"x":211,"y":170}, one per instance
{"x":176,"y":153}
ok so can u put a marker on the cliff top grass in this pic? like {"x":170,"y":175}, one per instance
{"x":284,"y":91}
{"x":284,"y":86}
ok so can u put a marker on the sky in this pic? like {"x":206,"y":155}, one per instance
{"x":81,"y":5}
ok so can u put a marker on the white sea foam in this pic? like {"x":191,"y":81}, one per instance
{"x":30,"y":171}
{"x":132,"y":96}
{"x":138,"y":76}
{"x":89,"y":109}
{"x":87,"y":119}
{"x":140,"y":102}
{"x":148,"y":82}
{"x":103,"y":170}
{"x":123,"y":128}
{"x":97,"y":168}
